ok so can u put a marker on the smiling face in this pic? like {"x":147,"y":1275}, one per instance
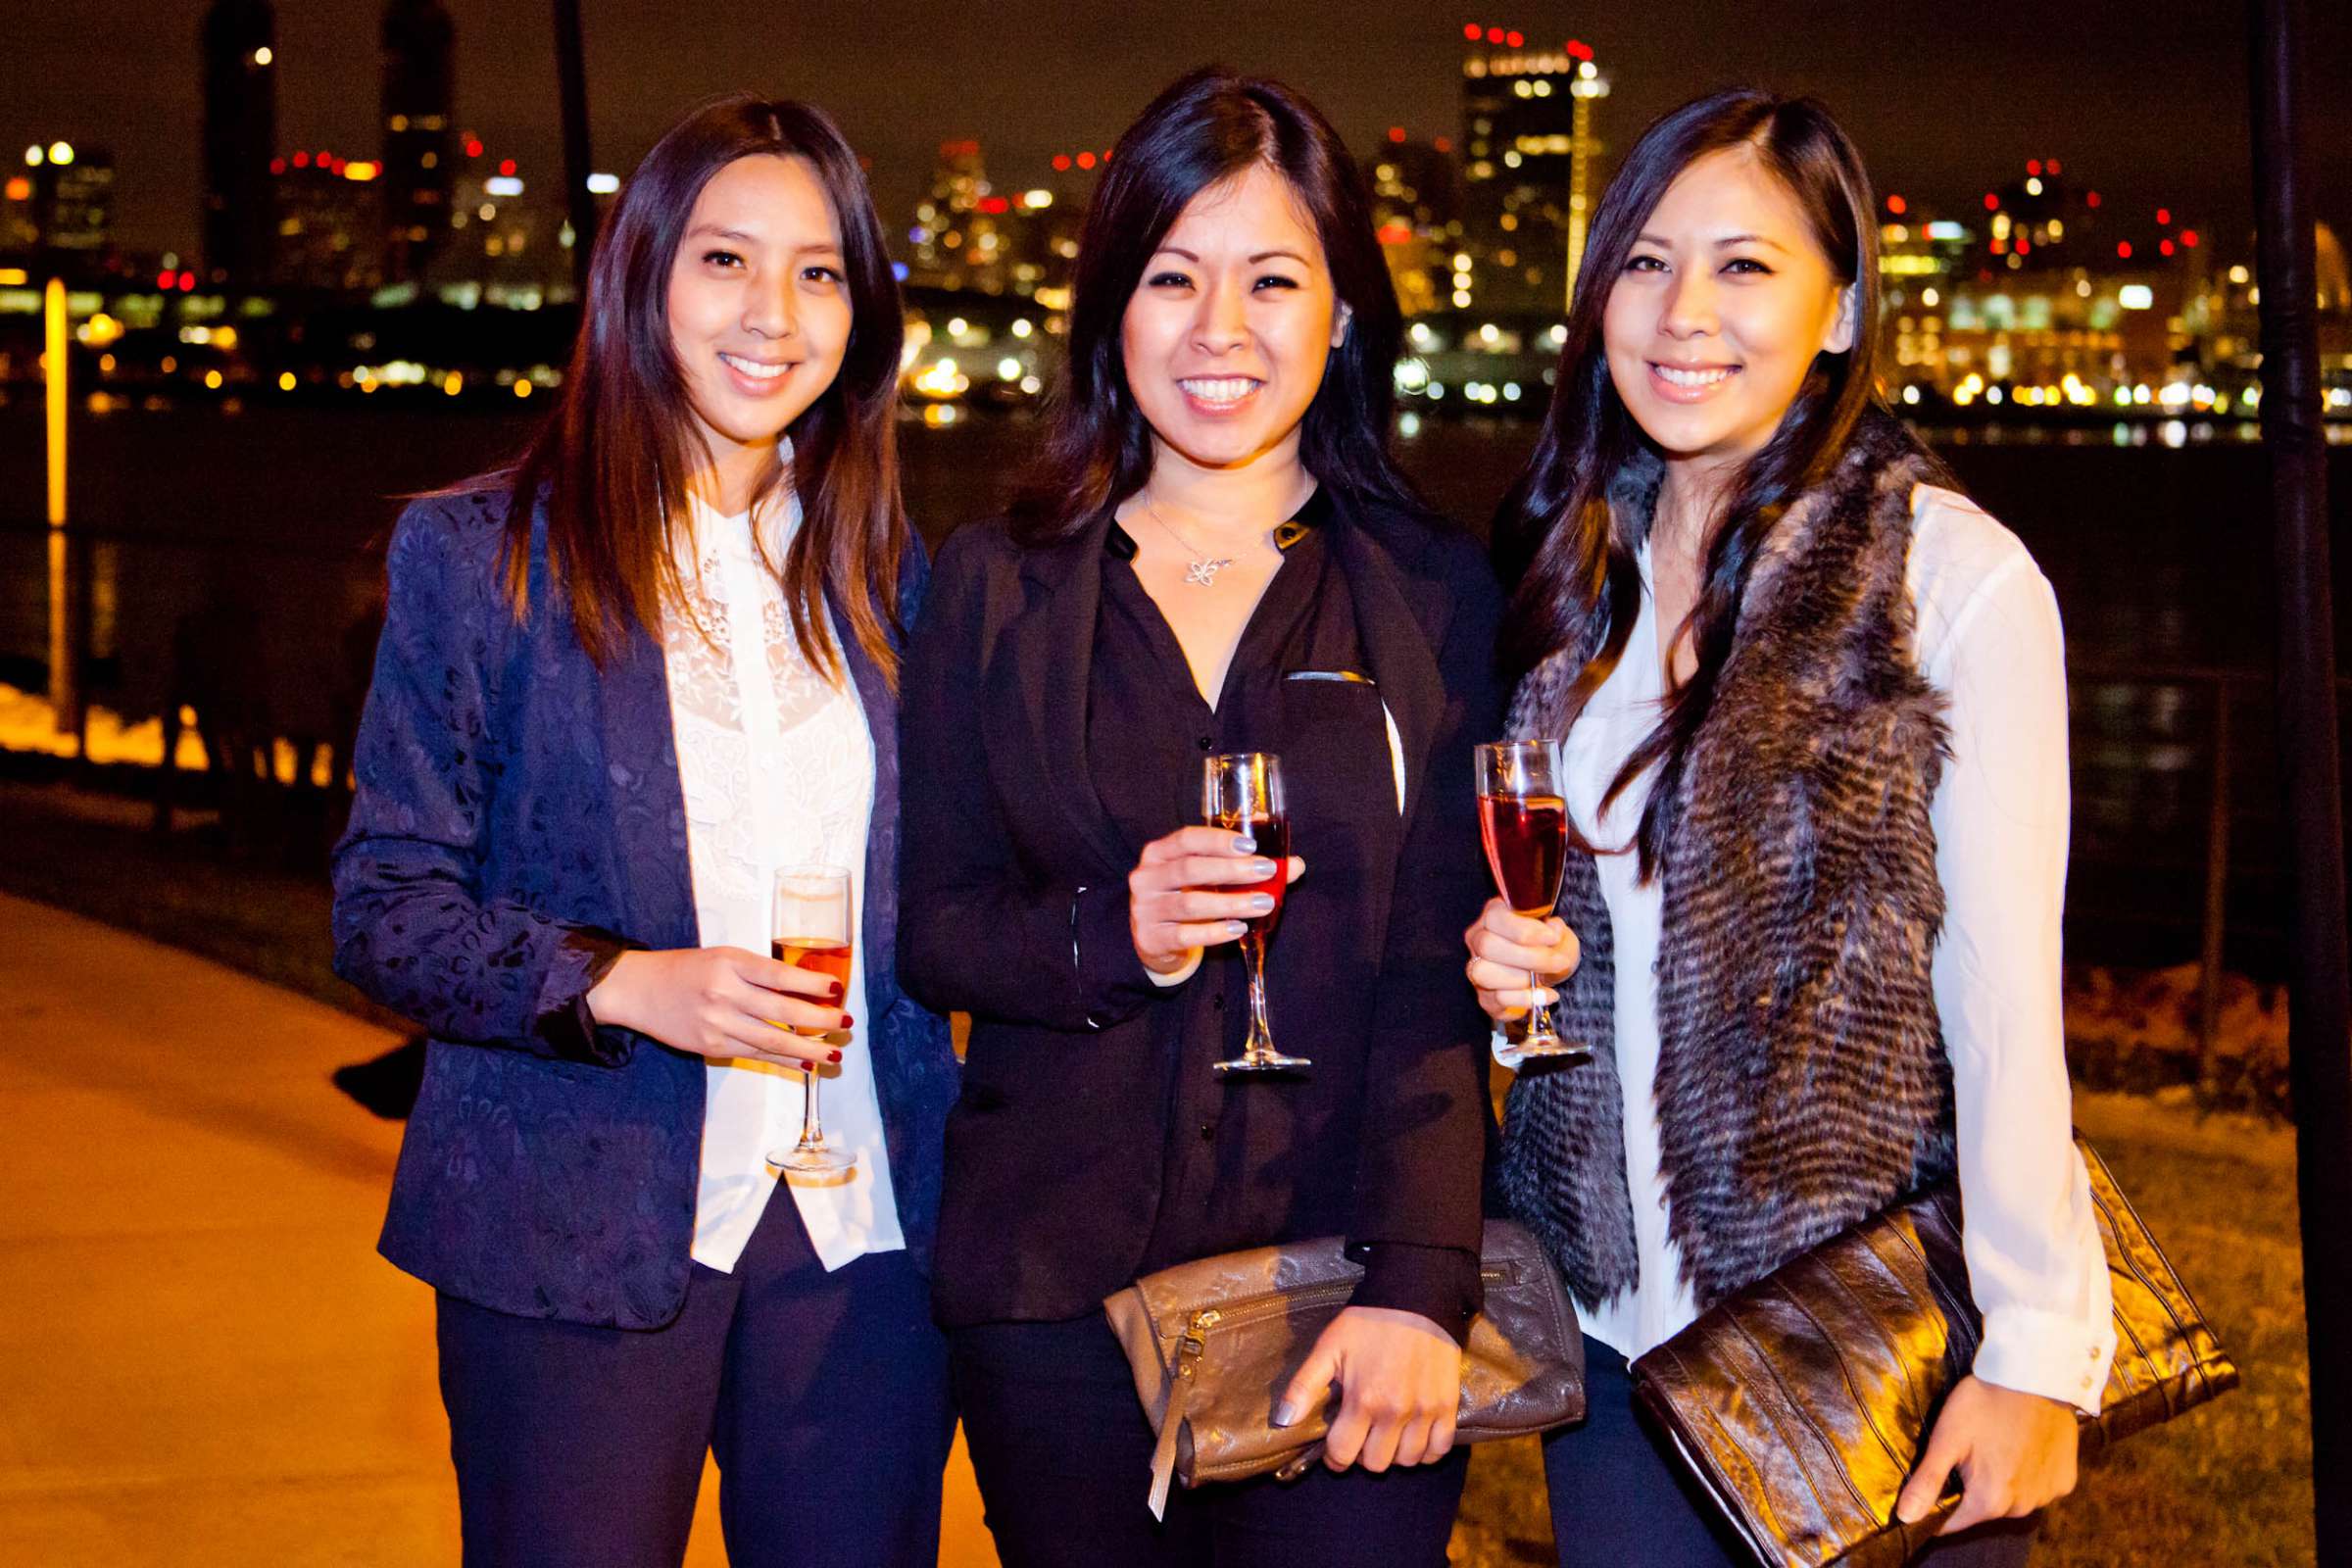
{"x":759,"y":312}
{"x":1225,"y":338}
{"x":1724,"y":299}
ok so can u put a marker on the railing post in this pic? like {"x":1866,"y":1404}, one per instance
{"x":2217,"y":889}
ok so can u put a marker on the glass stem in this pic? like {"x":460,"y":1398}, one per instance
{"x":1261,"y":1036}
{"x":812,"y":1129}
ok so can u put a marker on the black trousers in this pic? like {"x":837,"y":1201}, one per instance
{"x":1063,"y":1455}
{"x":824,"y":1396}
{"x":1620,"y":1495}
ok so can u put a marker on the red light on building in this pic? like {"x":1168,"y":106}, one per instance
{"x":1517,"y":40}
{"x":2054,"y":169}
{"x":165,"y":281}
{"x":187,"y":282}
{"x":1062,"y":161}
{"x":506,"y":166}
{"x":473,"y":147}
{"x":1393,"y":235}
{"x":1472,"y":31}
{"x":2164,"y":217}
{"x":2092,"y":198}
{"x":1444,"y":144}
{"x":1395,"y":133}
{"x":2025,"y":247}
{"x":1897,"y":206}
{"x":1992,"y":203}
{"x":301,"y":159}
{"x":2033,"y":166}
{"x":2123,"y":249}
{"x":1494,"y":35}
{"x":277,"y":166}
{"x":995,"y":204}
{"x":1578,"y":49}
{"x":2165,"y":246}
{"x":2188,"y":237}
{"x":1085,"y":160}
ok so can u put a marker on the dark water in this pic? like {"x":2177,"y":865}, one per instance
{"x":247,"y":541}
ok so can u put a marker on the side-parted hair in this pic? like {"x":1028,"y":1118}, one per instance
{"x":615,"y":456}
{"x":1559,"y":543}
{"x":1208,"y":127}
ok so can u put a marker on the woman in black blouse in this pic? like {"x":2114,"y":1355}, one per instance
{"x":1217,"y":554}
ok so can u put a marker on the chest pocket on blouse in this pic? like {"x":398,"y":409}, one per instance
{"x":1305,"y":705}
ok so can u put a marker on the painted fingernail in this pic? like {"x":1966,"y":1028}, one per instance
{"x":1261,"y":903}
{"x":1261,"y":869}
{"x":834,"y":995}
{"x":846,"y":1020}
{"x":1244,"y":844}
{"x":1235,"y":928}
{"x":1285,"y":1413}
{"x":833,"y":1056}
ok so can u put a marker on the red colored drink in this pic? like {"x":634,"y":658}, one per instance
{"x":1273,"y":836}
{"x":1527,"y":843}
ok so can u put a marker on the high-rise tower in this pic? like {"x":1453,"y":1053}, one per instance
{"x":419,"y":90}
{"x":1527,"y":166}
{"x":238,"y":41}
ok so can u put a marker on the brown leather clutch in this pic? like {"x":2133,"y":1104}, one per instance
{"x":1213,"y":1344}
{"x":1803,"y":1402}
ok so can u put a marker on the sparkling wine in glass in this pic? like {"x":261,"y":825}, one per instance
{"x":809,"y":928}
{"x":1523,"y":817}
{"x":1242,"y":791}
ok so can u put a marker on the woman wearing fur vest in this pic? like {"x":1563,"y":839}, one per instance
{"x":1811,"y":707}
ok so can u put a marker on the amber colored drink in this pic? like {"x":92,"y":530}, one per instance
{"x":821,"y":953}
{"x":1527,"y":843}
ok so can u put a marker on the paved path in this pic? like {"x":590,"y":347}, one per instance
{"x":202,"y":1359}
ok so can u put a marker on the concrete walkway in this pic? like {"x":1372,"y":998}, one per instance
{"x":202,"y":1359}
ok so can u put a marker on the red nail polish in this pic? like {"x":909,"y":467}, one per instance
{"x":846,"y":1020}
{"x":833,"y":1056}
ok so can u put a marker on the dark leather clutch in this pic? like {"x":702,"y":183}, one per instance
{"x":1213,"y":1344}
{"x":1802,"y":1402}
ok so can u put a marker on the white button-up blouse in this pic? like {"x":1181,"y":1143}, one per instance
{"x":1989,"y":639}
{"x":777,"y":769}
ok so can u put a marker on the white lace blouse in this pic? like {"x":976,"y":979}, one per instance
{"x":1989,"y":639}
{"x":777,"y":769}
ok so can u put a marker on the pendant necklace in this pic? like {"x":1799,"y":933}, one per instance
{"x":1202,"y":571}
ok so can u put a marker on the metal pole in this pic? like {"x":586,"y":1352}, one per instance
{"x":2216,"y":890}
{"x":572,"y":74}
{"x":65,"y":640}
{"x":2319,"y":993}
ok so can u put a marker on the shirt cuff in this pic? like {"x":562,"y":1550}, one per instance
{"x":1441,"y":1282}
{"x":1176,"y":977}
{"x":1113,"y":982}
{"x":2033,"y":1351}
{"x":564,"y":1024}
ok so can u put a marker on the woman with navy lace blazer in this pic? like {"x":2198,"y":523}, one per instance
{"x":618,"y":687}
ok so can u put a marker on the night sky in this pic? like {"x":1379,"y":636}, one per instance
{"x":2143,"y":99}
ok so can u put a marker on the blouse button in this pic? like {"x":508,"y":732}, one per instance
{"x":1206,"y":744}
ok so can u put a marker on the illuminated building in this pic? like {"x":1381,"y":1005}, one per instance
{"x":1416,"y":209}
{"x":330,"y":228}
{"x":509,"y":245}
{"x":238,"y":43}
{"x":969,"y":235}
{"x":20,"y":226}
{"x":56,"y":209}
{"x":1528,"y":150}
{"x":419,"y":150}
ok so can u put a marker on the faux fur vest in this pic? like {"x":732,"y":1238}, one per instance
{"x":1801,"y":1079}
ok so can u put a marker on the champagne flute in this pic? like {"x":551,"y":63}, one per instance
{"x":1242,"y":791}
{"x":809,"y":928}
{"x":1523,"y":817}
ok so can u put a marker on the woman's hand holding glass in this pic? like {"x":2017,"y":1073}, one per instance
{"x":725,"y":1004}
{"x":1173,"y":906}
{"x":1507,"y":949}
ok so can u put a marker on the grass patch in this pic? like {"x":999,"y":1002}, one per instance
{"x":2227,"y":1483}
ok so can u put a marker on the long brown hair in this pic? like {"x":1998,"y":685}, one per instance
{"x":1568,"y":533}
{"x":610,"y":464}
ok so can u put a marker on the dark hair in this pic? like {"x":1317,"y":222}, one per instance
{"x":1568,"y":551}
{"x":613,"y":456}
{"x":1206,"y":128}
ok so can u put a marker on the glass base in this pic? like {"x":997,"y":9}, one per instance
{"x":811,"y":1158}
{"x":1267,"y":1061}
{"x":1550,"y":1047}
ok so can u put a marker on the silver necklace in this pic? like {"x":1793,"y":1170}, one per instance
{"x":1202,"y":571}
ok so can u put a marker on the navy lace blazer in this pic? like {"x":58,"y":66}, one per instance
{"x":519,"y":819}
